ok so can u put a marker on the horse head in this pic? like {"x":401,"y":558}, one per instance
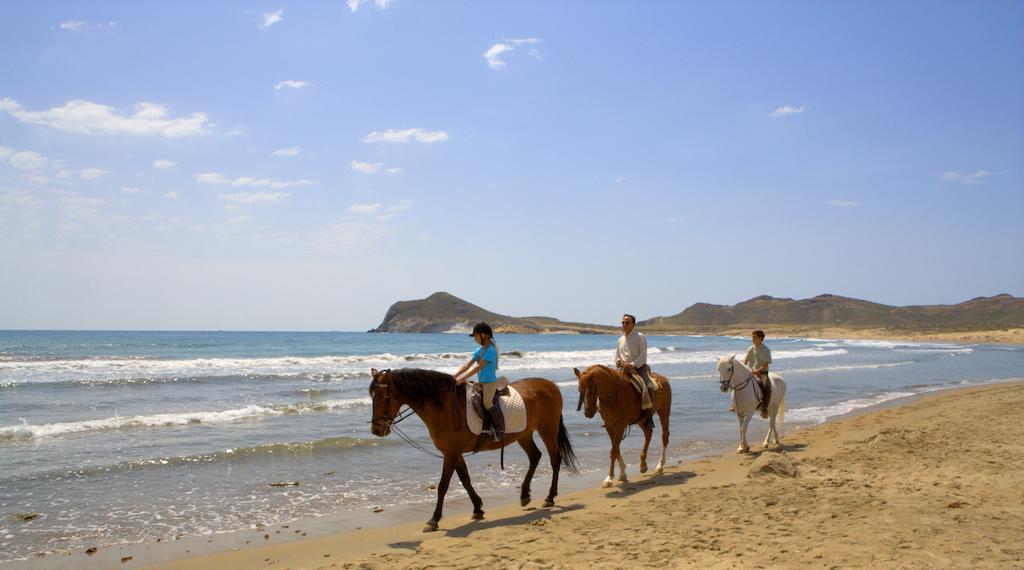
{"x":726,"y":367}
{"x":588,"y":392}
{"x":385,"y":405}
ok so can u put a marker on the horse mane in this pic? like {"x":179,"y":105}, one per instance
{"x":420,"y":386}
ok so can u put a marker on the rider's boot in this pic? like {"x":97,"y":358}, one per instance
{"x":498,"y":420}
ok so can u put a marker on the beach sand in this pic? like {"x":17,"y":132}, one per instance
{"x":931,"y":482}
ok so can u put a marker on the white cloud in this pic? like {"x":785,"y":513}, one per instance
{"x":976,"y":177}
{"x":171,"y":195}
{"x":238,"y":220}
{"x":27,"y":160}
{"x":92,"y":173}
{"x":621,"y":179}
{"x":365,"y":209}
{"x":406,"y":135}
{"x":291,"y":84}
{"x":212,"y":178}
{"x":379,"y":211}
{"x":5,"y":152}
{"x":162,"y":164}
{"x":843,"y":203}
{"x":85,"y":117}
{"x":353,"y":5}
{"x":271,"y":18}
{"x":495,"y":52}
{"x":786,"y":110}
{"x":393,"y":170}
{"x":254,"y":197}
{"x":218,"y":179}
{"x":131,"y":190}
{"x":366,"y":167}
{"x":289,"y":152}
{"x":80,"y":26}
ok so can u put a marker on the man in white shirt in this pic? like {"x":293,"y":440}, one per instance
{"x":631,"y":358}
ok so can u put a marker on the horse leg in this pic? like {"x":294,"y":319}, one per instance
{"x":550,"y":438}
{"x":648,"y":432}
{"x":771,"y":428}
{"x":534,"y":454}
{"x":478,"y":503}
{"x":442,"y":489}
{"x":663,"y":420}
{"x":622,"y":464}
{"x":744,"y":422}
{"x":615,"y":435}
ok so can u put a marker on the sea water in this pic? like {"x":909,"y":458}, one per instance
{"x":132,"y":436}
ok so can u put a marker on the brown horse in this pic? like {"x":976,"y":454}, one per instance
{"x":603,"y":388}
{"x":441,"y":404}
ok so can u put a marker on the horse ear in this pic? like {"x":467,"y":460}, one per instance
{"x":731,"y":358}
{"x":577,"y":371}
{"x":373,"y":372}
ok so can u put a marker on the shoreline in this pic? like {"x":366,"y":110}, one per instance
{"x":319,"y":542}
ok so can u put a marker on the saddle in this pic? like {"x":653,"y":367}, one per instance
{"x":637,"y":381}
{"x":512,"y":407}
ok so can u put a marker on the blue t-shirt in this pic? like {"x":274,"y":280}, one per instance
{"x":489,"y":372}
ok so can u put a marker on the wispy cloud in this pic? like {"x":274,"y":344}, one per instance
{"x":621,"y":179}
{"x":171,"y":195}
{"x":366,"y":167}
{"x":72,"y":25}
{"x":976,"y":177}
{"x":370,"y":223}
{"x":785,"y":111}
{"x":843,"y":203}
{"x":85,"y":117}
{"x":494,"y":54}
{"x":353,"y":5}
{"x":271,"y":18}
{"x":80,"y":26}
{"x":162,"y":164}
{"x":393,"y":170}
{"x":92,"y":173}
{"x":406,"y":135}
{"x":291,"y":84}
{"x":218,"y":179}
{"x":248,"y":198}
{"x":25,"y":159}
{"x":131,"y":190}
{"x":289,"y":152}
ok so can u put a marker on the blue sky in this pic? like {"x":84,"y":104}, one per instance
{"x":302,"y":165}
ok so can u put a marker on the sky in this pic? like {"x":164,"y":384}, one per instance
{"x":303,"y":165}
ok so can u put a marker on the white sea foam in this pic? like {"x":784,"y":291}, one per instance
{"x":329,"y":368}
{"x":818,"y":414}
{"x":250,"y":412}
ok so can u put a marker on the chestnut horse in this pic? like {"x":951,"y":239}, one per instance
{"x":441,"y":404}
{"x":605,"y":389}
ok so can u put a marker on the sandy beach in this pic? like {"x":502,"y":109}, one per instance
{"x":928,"y":482}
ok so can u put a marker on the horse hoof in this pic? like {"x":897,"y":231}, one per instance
{"x":659,"y":470}
{"x":623,"y":480}
{"x":742,"y":450}
{"x":430,"y":527}
{"x":549,"y":502}
{"x":643,"y":468}
{"x":477,"y":516}
{"x":523,"y":501}
{"x":606,"y":483}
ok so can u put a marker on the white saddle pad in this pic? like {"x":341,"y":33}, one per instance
{"x":512,"y":406}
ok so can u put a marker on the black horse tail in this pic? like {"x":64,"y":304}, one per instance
{"x":565,"y":450}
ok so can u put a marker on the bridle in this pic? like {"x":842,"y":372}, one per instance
{"x":727,"y":383}
{"x":388,"y":422}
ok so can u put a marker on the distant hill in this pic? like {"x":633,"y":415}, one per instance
{"x":1001,"y":311}
{"x":444,"y":312}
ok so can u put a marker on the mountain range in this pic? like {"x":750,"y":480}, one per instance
{"x":444,"y":312}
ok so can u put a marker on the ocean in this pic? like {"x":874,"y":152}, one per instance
{"x":114,"y":437}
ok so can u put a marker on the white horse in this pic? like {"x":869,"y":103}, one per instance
{"x":734,"y":375}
